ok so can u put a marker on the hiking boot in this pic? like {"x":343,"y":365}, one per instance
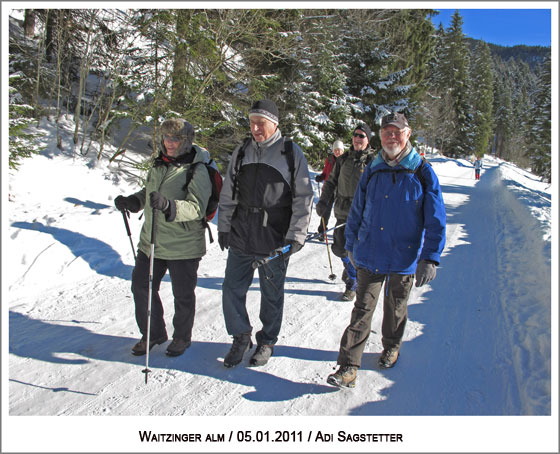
{"x":140,"y":348}
{"x":177,"y":347}
{"x":241,"y":344}
{"x":348,"y":295}
{"x":388,"y":358}
{"x":262,"y":355}
{"x":344,"y":377}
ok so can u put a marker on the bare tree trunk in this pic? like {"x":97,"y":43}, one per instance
{"x":60,"y":39}
{"x":84,"y":70}
{"x":50,"y":31}
{"x":36,"y":95}
{"x":179,"y":73}
{"x":29,"y":23}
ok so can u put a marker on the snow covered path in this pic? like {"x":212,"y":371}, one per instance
{"x":478,"y":340}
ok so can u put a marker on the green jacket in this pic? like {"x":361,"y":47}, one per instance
{"x":180,"y":234}
{"x":343,"y":180}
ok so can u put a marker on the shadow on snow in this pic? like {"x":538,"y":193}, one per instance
{"x":33,"y":338}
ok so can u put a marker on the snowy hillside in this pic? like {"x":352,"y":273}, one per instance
{"x":478,"y":343}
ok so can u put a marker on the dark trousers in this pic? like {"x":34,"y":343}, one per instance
{"x":237,"y":280}
{"x":339,"y":240}
{"x":395,"y":313}
{"x":326,"y":215}
{"x":183,"y":275}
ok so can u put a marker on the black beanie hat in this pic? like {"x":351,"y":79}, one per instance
{"x":364,"y":127}
{"x":265,"y":108}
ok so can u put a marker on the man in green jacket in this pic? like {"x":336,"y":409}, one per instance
{"x":341,"y":185}
{"x":179,"y":243}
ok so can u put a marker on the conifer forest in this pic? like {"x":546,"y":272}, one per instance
{"x":117,"y":73}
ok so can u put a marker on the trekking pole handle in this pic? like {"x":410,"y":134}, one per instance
{"x":154,"y":213}
{"x":260,"y":262}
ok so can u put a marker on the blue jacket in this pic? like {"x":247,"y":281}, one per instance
{"x":393,"y":223}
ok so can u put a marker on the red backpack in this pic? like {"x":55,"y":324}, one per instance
{"x":217,"y":183}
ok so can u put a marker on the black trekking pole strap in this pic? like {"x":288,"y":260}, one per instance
{"x":318,"y":234}
{"x":126,"y":214}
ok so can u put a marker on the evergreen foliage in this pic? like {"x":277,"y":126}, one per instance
{"x":327,"y":69}
{"x":482,"y":98}
{"x":539,"y":125}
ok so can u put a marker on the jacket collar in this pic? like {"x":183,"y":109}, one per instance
{"x":410,"y":162}
{"x":182,"y":159}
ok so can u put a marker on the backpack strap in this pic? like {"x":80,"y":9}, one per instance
{"x":287,"y":149}
{"x":417,"y":173}
{"x":289,"y":152}
{"x":237,"y":166}
{"x":189,"y":176}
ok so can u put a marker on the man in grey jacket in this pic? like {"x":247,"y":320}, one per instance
{"x":265,"y":204}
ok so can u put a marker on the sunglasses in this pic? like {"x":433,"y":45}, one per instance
{"x":361,"y":136}
{"x":174,"y":139}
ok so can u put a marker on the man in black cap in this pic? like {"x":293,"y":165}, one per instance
{"x":395,"y":234}
{"x":265,"y":204}
{"x":341,"y":184}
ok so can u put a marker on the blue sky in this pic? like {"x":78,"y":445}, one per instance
{"x":506,"y":27}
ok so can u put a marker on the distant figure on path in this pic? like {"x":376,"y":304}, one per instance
{"x":477,"y":166}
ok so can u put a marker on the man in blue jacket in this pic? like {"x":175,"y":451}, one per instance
{"x":395,"y":231}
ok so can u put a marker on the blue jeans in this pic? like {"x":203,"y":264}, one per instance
{"x":237,"y":280}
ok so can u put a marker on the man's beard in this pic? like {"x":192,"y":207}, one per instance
{"x":392,"y":150}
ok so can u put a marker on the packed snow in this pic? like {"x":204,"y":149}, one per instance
{"x":481,"y":338}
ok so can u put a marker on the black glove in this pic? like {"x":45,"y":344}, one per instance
{"x":294,"y":246}
{"x":158,"y":202}
{"x":319,"y":178}
{"x":223,"y":240}
{"x":129,"y":203}
{"x":425,"y":272}
{"x":321,"y":208}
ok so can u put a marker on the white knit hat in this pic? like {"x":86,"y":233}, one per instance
{"x":338,"y":144}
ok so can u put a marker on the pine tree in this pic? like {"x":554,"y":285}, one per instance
{"x":482,"y":98}
{"x":457,"y":78}
{"x":436,"y":115}
{"x":503,"y":117}
{"x":540,"y":125}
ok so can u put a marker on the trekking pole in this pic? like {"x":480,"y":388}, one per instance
{"x":332,"y":276}
{"x":260,"y":262}
{"x":312,"y":236}
{"x":286,"y":248}
{"x":125,"y":214}
{"x":151,"y":278}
